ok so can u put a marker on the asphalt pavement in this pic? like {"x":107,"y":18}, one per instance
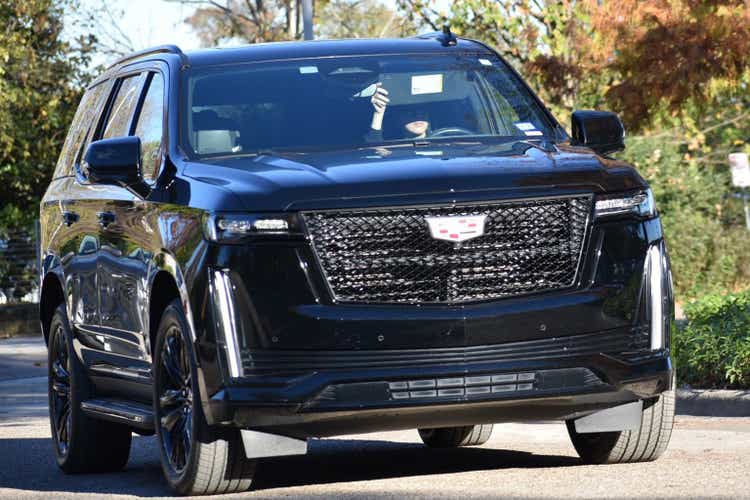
{"x":708,"y":457}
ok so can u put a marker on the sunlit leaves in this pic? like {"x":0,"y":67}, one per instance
{"x":40,"y":82}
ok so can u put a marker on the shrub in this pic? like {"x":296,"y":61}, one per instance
{"x":712,"y":350}
{"x":703,"y":224}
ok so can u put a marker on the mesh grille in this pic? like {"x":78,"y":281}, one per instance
{"x":388,"y":255}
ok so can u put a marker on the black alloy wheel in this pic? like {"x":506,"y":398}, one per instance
{"x":82,"y":443}
{"x":60,"y":396}
{"x":196,"y":458}
{"x":175,"y":401}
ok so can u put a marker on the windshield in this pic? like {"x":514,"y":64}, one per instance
{"x":329,"y":103}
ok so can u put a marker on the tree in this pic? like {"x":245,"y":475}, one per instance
{"x":255,"y":21}
{"x":637,"y":57}
{"x":41,"y":77}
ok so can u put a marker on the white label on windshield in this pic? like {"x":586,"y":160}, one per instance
{"x":426,"y":84}
{"x":485,"y":62}
{"x":528,"y":128}
{"x":308,"y":70}
{"x":525,"y":126}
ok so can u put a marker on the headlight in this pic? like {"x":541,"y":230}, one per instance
{"x":229,"y":227}
{"x":640,"y":204}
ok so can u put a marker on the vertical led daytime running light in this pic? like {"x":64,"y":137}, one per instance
{"x":657,"y":300}
{"x":225,"y":308}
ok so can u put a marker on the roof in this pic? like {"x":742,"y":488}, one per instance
{"x":427,"y":44}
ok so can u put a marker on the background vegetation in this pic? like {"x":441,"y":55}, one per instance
{"x":713,"y":349}
{"x":675,"y":70}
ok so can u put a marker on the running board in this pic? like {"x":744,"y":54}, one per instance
{"x":122,"y":412}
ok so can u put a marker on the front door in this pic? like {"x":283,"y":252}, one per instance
{"x":127,"y":240}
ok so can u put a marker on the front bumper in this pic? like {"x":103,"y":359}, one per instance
{"x":374,"y":398}
{"x":305,"y":366}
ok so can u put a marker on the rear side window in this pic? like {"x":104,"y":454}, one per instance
{"x":84,"y":121}
{"x":150,"y":127}
{"x":121,"y":111}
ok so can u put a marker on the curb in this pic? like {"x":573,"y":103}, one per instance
{"x":713,"y":403}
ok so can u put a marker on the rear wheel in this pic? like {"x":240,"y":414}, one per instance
{"x":196,"y":459}
{"x":453,"y":437}
{"x":645,"y":444}
{"x":82,"y":444}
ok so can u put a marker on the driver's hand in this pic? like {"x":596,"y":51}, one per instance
{"x":380,"y":99}
{"x":380,"y":102}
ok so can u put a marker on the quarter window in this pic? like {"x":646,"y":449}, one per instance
{"x":118,"y":121}
{"x":150,"y":127}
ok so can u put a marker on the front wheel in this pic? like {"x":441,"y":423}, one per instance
{"x":645,"y":444}
{"x":196,"y":459}
{"x":453,"y":437}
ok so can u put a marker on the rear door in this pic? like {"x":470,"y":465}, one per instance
{"x":70,"y":211}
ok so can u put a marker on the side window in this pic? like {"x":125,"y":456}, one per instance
{"x":150,"y":127}
{"x":118,"y":121}
{"x":85,"y":118}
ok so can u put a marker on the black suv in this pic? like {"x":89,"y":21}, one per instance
{"x":244,"y":248}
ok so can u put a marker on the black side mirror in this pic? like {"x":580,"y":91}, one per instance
{"x":115,"y":161}
{"x":601,"y":131}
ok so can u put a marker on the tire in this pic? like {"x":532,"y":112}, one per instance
{"x":645,"y":444}
{"x":453,"y":437}
{"x":196,"y":459}
{"x":82,"y":443}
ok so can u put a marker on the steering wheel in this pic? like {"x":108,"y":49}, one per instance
{"x":448,"y":131}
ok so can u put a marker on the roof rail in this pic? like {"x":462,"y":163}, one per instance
{"x":159,"y":49}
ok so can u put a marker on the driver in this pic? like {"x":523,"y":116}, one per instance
{"x":416,"y":125}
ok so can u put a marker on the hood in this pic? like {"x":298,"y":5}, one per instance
{"x":407,"y":174}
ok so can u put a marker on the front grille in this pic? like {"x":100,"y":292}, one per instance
{"x":389,"y":256}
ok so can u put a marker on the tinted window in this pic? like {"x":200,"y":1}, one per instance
{"x":328,"y":103}
{"x":118,"y":121}
{"x":150,"y":127}
{"x":84,"y":120}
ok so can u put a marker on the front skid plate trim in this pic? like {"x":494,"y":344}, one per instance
{"x":625,"y":417}
{"x":262,"y":444}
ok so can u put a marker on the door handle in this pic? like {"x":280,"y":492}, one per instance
{"x":70,"y":218}
{"x":105,"y":218}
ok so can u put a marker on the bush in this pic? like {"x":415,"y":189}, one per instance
{"x":712,"y":350}
{"x":703,"y":224}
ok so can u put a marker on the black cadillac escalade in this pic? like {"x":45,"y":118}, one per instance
{"x":244,"y":248}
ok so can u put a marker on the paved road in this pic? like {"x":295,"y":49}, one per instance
{"x":707,"y":458}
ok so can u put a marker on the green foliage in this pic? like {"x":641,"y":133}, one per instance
{"x":685,"y":163}
{"x":40,"y":85}
{"x":713,"y":349}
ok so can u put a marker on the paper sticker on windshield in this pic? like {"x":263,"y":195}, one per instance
{"x":528,"y":128}
{"x":308,"y":70}
{"x":485,"y":62}
{"x":426,"y":84}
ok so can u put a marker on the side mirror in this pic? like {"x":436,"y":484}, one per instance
{"x":601,"y":131}
{"x":114,"y":161}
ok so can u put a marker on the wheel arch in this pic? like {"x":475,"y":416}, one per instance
{"x":51,"y":296}
{"x":166,"y":283}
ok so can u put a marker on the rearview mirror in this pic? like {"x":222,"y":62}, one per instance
{"x":114,"y":161}
{"x":601,"y":131}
